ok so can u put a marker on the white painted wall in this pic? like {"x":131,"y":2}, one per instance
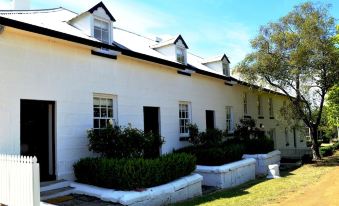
{"x":42,"y":68}
{"x":169,"y":51}
{"x":84,"y":22}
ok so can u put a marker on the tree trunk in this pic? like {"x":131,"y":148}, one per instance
{"x":315,"y":145}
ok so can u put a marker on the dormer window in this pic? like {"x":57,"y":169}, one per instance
{"x":225,"y":69}
{"x":102,"y":30}
{"x":181,"y":55}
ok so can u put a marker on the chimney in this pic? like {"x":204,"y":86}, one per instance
{"x":21,"y":4}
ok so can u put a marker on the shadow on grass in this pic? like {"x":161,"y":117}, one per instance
{"x":226,"y":193}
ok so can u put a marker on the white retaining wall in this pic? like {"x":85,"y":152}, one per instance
{"x":263,"y":160}
{"x":178,"y":190}
{"x":228,"y":175}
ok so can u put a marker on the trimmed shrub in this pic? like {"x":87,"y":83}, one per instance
{"x":261,"y":145}
{"x":327,"y":151}
{"x":215,"y":156}
{"x":133,"y":173}
{"x":118,"y":142}
{"x":211,"y":137}
{"x":336,"y":146}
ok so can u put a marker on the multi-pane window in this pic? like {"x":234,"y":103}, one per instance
{"x":181,"y":55}
{"x":184,"y":117}
{"x":229,"y":119}
{"x":270,"y":107}
{"x":259,"y":104}
{"x":101,"y":31}
{"x":102,"y":112}
{"x":245,"y":103}
{"x":226,"y":69}
{"x":286,"y":136}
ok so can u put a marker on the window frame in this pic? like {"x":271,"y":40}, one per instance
{"x":109,"y":29}
{"x":108,"y":117}
{"x":287,"y":140}
{"x":229,"y":119}
{"x":245,"y":103}
{"x":260,"y":106}
{"x":271,"y":107}
{"x":188,"y":118}
{"x":183,"y":50}
{"x":225,"y":69}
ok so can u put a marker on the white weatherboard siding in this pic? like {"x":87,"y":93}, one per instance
{"x":43,"y":68}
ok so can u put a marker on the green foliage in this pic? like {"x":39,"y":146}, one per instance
{"x":118,"y":142}
{"x":261,"y":145}
{"x":297,"y":56}
{"x":210,"y":137}
{"x":332,"y":105}
{"x":336,"y":146}
{"x":327,"y":151}
{"x":246,"y":129}
{"x":215,"y":156}
{"x":133,"y":173}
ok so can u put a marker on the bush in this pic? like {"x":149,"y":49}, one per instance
{"x":118,"y":142}
{"x":212,"y":137}
{"x":261,"y":145}
{"x":336,"y":146}
{"x":133,"y":173}
{"x":327,"y":151}
{"x":215,"y":156}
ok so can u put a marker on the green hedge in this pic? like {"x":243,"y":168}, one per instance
{"x":261,"y":145}
{"x":327,"y":151}
{"x":214,"y":156}
{"x":133,"y":173}
{"x":336,"y":146}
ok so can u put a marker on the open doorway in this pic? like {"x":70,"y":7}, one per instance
{"x":37,"y":134}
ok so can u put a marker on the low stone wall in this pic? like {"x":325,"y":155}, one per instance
{"x":178,"y":190}
{"x":228,"y":175}
{"x":263,"y":160}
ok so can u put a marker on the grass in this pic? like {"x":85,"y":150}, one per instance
{"x":263,"y":191}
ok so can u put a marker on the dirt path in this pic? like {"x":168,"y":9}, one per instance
{"x":323,"y":193}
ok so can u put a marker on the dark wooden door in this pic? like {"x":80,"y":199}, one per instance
{"x":210,"y":119}
{"x":37,"y":135}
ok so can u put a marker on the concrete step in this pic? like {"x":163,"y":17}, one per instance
{"x":50,"y":194}
{"x":53,"y":185}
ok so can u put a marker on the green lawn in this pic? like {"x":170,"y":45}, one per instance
{"x":262,"y":191}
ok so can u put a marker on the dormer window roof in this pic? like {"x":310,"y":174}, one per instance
{"x":216,"y":59}
{"x":173,"y":40}
{"x":102,"y":5}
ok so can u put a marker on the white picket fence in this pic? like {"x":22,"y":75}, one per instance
{"x":19,"y":181}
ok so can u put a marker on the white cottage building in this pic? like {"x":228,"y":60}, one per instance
{"x":63,"y":73}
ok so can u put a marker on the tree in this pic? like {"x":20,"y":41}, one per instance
{"x":298,"y":56}
{"x":332,"y":107}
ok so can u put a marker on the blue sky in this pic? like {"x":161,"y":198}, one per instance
{"x":209,"y":27}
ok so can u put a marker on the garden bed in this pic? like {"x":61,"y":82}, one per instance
{"x":263,"y":160}
{"x":228,"y":175}
{"x":175,"y":191}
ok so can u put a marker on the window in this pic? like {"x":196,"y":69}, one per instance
{"x":101,"y":30}
{"x":103,"y":111}
{"x":184,"y":118}
{"x":259,"y":104}
{"x":226,"y":69}
{"x":229,"y":119}
{"x":286,"y":137}
{"x":181,"y":57}
{"x":271,"y":134}
{"x":270,"y":107}
{"x":245,"y":103}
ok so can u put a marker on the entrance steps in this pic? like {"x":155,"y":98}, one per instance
{"x":54,"y":189}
